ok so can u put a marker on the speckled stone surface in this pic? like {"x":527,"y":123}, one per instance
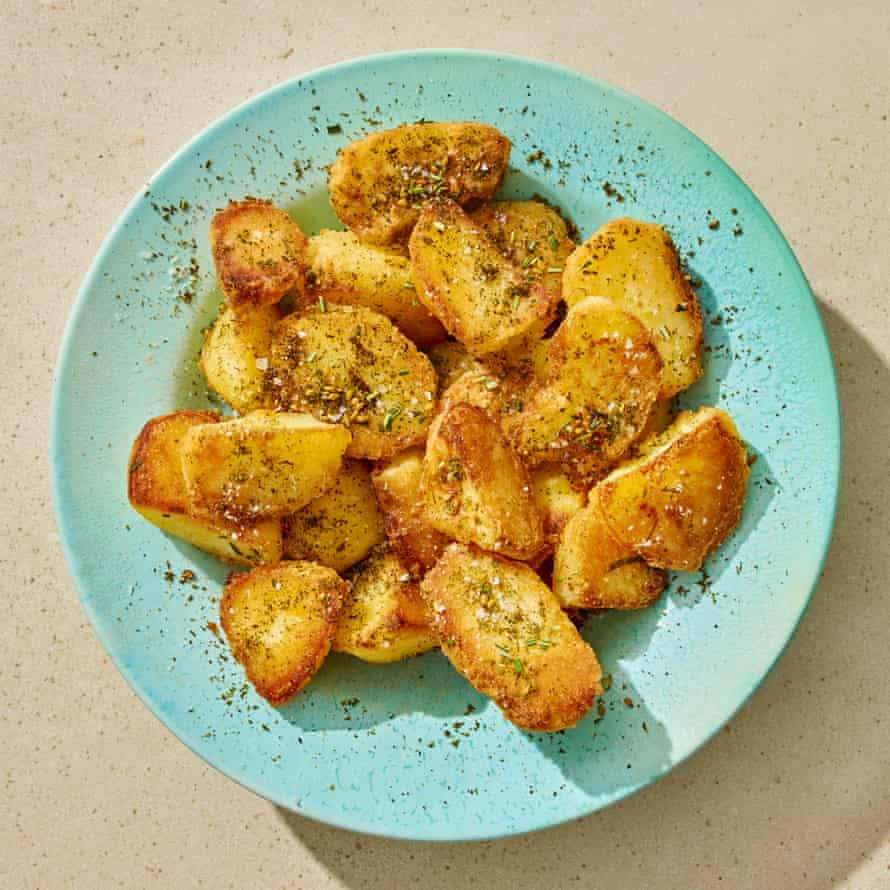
{"x":96,"y":793}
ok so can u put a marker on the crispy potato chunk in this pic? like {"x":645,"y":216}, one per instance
{"x":235,"y":352}
{"x":341,"y":526}
{"x":484,"y":300}
{"x":663,"y":413}
{"x":556,"y":497}
{"x":384,"y":618}
{"x":351,"y":366}
{"x":530,"y":234}
{"x":258,"y":251}
{"x":261,"y":465}
{"x":341,"y":269}
{"x":280,"y":622}
{"x":490,"y":388}
{"x":681,"y":498}
{"x":156,"y":489}
{"x":452,"y":360}
{"x":377,"y":183}
{"x":475,"y":488}
{"x":503,"y":629}
{"x":603,"y":376}
{"x":397,"y":483}
{"x":592,"y":570}
{"x":636,"y":266}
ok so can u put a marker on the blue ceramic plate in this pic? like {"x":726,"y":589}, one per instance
{"x":410,"y":750}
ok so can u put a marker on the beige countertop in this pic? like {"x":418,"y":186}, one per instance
{"x":795,"y":793}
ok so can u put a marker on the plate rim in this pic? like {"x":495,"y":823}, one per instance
{"x":64,"y":359}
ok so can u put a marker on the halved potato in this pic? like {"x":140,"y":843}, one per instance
{"x":341,"y":269}
{"x":603,"y":376}
{"x":503,"y":629}
{"x":592,"y":570}
{"x":530,"y":234}
{"x":351,"y":366}
{"x":636,"y":266}
{"x":397,"y":483}
{"x":684,"y":494}
{"x":236,"y":353}
{"x":557,"y":498}
{"x":384,"y":618}
{"x":378,"y":183}
{"x":451,"y":360}
{"x":341,"y":526}
{"x":280,"y":622}
{"x":475,"y":488}
{"x":156,"y":489}
{"x":261,"y":465}
{"x":258,"y":251}
{"x":484,"y":300}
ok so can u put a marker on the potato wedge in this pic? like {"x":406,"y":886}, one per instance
{"x":475,"y":488}
{"x":397,"y":483}
{"x":452,"y":360}
{"x":530,"y":234}
{"x":341,"y":269}
{"x":384,"y":617}
{"x":340,"y":527}
{"x":236,"y":352}
{"x":485,"y":301}
{"x":156,"y":489}
{"x":603,"y":376}
{"x":556,"y":497}
{"x":592,"y":570}
{"x":503,"y":629}
{"x":378,"y":183}
{"x":684,"y":494}
{"x":280,"y":622}
{"x":261,"y":465}
{"x":258,"y":252}
{"x":636,"y":266}
{"x":351,"y":366}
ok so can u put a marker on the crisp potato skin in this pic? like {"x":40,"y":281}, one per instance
{"x":397,"y":484}
{"x":485,"y":301}
{"x":258,"y":252}
{"x":351,"y":366}
{"x":384,"y":618}
{"x":592,"y":570}
{"x":341,"y":269}
{"x":235,"y":348}
{"x":603,"y":375}
{"x":156,"y":489}
{"x":377,"y":183}
{"x":340,"y":527}
{"x":683,"y":496}
{"x":636,"y":266}
{"x":503,"y":629}
{"x":475,"y":488}
{"x":264,"y":464}
{"x":280,"y":622}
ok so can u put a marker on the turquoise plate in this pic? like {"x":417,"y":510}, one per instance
{"x":410,"y":750}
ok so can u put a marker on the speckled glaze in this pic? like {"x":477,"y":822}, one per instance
{"x":410,"y":750}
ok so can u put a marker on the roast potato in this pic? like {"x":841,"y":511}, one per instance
{"x":397,"y":483}
{"x":341,"y":526}
{"x":258,"y":252}
{"x":236,"y":353}
{"x":635,"y":265}
{"x":261,"y":465}
{"x":503,"y":629}
{"x":351,"y":366}
{"x":678,"y":501}
{"x":475,"y":488}
{"x":486,"y":302}
{"x":557,"y":499}
{"x":378,"y":183}
{"x":341,"y":269}
{"x":384,"y":618}
{"x":157,"y":490}
{"x":280,"y":622}
{"x":451,"y":360}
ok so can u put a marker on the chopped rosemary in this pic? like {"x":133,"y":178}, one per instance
{"x":389,"y":417}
